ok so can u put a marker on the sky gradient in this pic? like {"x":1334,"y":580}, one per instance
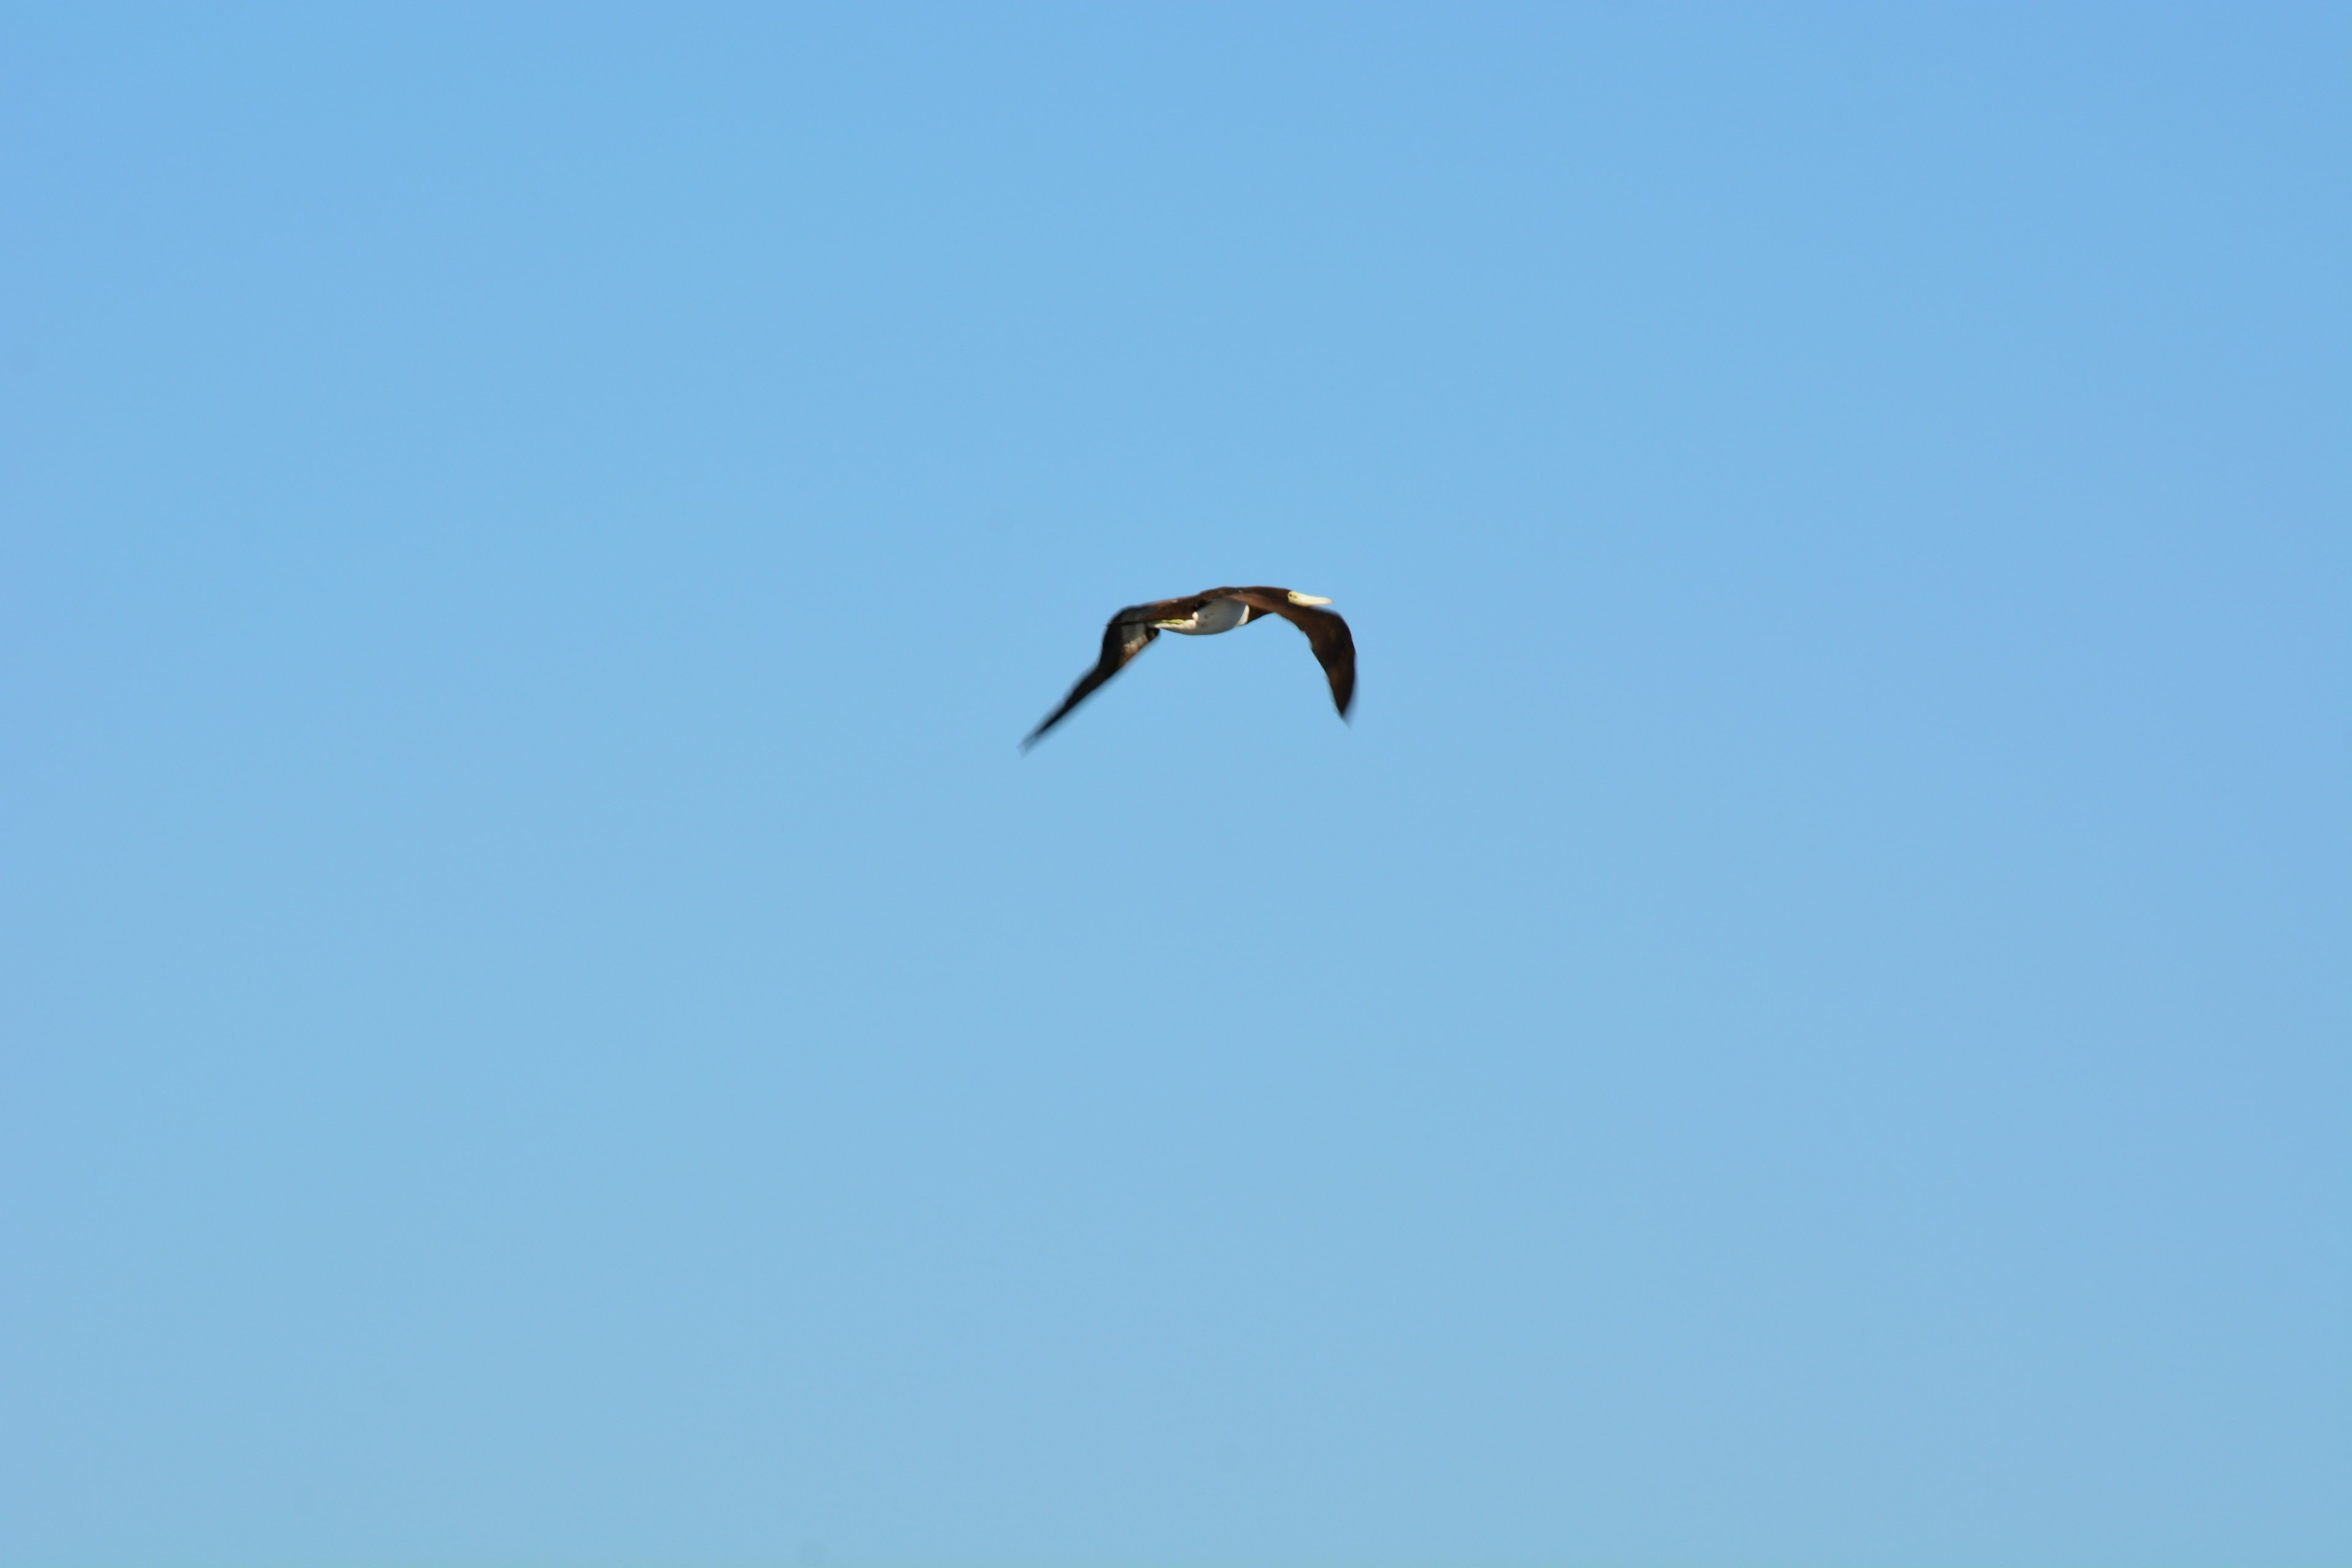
{"x":546,"y":1019}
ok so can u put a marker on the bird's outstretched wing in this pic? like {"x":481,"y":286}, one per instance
{"x":1128,"y":633}
{"x":1327,"y":634}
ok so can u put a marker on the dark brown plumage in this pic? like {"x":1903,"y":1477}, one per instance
{"x":1131,"y":631}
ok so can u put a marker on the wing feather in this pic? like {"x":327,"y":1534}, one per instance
{"x":1127,"y":633}
{"x":1327,"y":634}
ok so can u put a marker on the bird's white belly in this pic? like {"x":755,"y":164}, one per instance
{"x":1216,"y":616}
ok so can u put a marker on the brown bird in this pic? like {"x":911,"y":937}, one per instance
{"x":1204,"y":615}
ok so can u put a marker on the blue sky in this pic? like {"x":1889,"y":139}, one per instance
{"x":547,"y":1021}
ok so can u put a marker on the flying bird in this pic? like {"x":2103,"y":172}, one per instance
{"x":1204,"y":615}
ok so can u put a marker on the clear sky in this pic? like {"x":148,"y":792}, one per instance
{"x":547,"y":1021}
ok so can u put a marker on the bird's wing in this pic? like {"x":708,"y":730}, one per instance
{"x":1327,"y":634}
{"x":1128,"y":633}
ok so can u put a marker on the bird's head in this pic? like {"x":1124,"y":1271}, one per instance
{"x":1298,"y":598}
